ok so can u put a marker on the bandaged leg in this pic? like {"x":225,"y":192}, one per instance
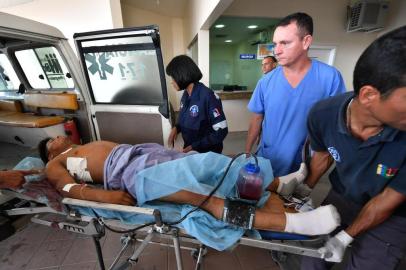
{"x":322,"y":220}
{"x":288,"y":183}
{"x":271,"y":217}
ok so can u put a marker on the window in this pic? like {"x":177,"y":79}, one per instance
{"x":44,"y":68}
{"x":8,"y":78}
{"x":123,"y":70}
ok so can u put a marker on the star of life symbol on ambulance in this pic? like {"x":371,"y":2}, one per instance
{"x":99,"y":64}
{"x":334,"y":153}
{"x":194,"y":111}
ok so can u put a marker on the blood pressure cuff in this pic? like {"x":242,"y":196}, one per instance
{"x":239,"y":212}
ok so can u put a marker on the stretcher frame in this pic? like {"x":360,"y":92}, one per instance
{"x":73,"y":221}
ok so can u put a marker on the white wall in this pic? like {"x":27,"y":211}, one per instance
{"x":68,"y":16}
{"x":396,"y":15}
{"x":197,"y":12}
{"x":237,"y":114}
{"x":200,"y":14}
{"x":171,"y":34}
{"x":115,"y":8}
{"x":329,"y":18}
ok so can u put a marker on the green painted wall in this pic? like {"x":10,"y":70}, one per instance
{"x":226,"y":67}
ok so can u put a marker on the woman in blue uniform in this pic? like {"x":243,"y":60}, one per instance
{"x":201,"y":118}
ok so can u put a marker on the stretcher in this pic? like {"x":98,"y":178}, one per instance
{"x":70,"y":218}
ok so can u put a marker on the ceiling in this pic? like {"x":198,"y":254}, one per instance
{"x":171,"y":8}
{"x":236,"y":29}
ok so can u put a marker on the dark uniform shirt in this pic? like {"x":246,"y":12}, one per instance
{"x":363,"y":168}
{"x":201,"y":120}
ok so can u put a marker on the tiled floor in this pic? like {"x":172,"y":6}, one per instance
{"x":40,"y":247}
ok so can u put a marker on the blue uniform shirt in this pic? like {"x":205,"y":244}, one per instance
{"x":363,"y":168}
{"x":201,"y":120}
{"x":285,"y":112}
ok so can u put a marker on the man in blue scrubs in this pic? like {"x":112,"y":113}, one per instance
{"x":364,"y":132}
{"x":284,"y":96}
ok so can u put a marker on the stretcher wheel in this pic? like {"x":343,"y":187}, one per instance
{"x":195,"y":253}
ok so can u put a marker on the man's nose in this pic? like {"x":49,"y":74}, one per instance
{"x":277,"y":49}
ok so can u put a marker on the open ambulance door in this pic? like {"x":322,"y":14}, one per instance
{"x":126,"y":87}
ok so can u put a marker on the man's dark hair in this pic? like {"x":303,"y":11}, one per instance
{"x":43,"y":150}
{"x":383,"y":64}
{"x":184,"y":71}
{"x":303,"y":21}
{"x":272,"y":57}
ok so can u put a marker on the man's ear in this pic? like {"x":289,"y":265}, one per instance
{"x":368,"y":95}
{"x":307,"y":41}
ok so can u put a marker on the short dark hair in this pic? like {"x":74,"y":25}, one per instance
{"x":383,"y":64}
{"x":272,"y":57}
{"x":184,"y":71}
{"x":303,"y":21}
{"x":43,"y":150}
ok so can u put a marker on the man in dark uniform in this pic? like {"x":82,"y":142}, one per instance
{"x":201,"y":118}
{"x":364,"y":132}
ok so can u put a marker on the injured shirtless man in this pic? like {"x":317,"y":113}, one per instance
{"x":115,"y":165}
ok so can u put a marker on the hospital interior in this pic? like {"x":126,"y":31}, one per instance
{"x":56,"y":79}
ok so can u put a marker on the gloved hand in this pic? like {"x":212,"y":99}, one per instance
{"x":333,"y":250}
{"x":302,"y":191}
{"x":288,"y":183}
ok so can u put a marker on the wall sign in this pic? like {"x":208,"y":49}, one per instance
{"x":265,"y":50}
{"x":245,"y":56}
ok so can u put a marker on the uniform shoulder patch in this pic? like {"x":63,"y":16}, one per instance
{"x":334,"y":153}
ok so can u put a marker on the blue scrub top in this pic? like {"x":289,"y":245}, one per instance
{"x":201,"y":120}
{"x":285,"y":112}
{"x":363,"y":168}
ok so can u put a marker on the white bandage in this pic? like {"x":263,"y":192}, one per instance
{"x":67,"y":187}
{"x":77,"y":167}
{"x":322,"y":220}
{"x":288,"y":183}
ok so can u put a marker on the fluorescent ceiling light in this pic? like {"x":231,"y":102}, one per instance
{"x":228,"y":41}
{"x":253,"y":26}
{"x":219,"y":25}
